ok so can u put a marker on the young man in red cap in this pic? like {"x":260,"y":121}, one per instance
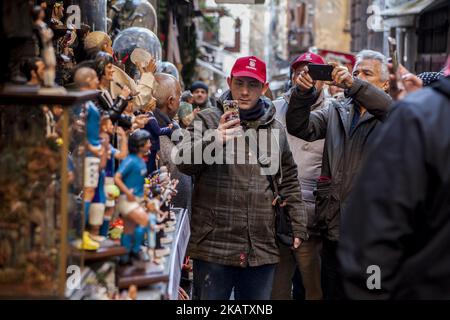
{"x":232,"y":240}
{"x":348,"y":127}
{"x":308,"y":157}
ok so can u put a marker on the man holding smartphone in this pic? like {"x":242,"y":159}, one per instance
{"x":233,"y":241}
{"x":348,"y":128}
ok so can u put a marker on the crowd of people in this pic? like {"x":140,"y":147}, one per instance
{"x":362,"y":174}
{"x":360,"y":168}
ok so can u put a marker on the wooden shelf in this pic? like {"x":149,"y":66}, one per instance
{"x":132,"y":276}
{"x":165,"y":284}
{"x":100,"y":254}
{"x":23,"y":291}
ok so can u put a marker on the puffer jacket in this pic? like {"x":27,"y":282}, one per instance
{"x":345,"y":147}
{"x":232,"y":216}
{"x":308,"y":157}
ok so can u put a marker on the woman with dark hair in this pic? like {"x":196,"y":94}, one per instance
{"x":103,"y":66}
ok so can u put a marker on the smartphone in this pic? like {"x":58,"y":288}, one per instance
{"x":320,"y":71}
{"x":393,"y":53}
{"x":233,"y":106}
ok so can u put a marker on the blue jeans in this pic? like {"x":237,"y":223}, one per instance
{"x":215,"y":281}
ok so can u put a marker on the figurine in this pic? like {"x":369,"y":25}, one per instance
{"x":86,"y":79}
{"x":45,"y":46}
{"x":103,"y":64}
{"x":96,"y":42}
{"x":155,"y":131}
{"x":152,"y":237}
{"x":99,"y":41}
{"x":159,"y":249}
{"x":132,"y":292}
{"x":98,"y":204}
{"x":52,"y":116}
{"x":34,"y":69}
{"x":116,"y":230}
{"x":130,"y":178}
{"x":57,"y":14}
{"x":114,"y":154}
{"x":66,"y":56}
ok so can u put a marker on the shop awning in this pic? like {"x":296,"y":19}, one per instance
{"x":414,"y":7}
{"x":405,"y":15}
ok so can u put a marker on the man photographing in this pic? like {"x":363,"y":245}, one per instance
{"x":233,"y":242}
{"x":348,"y":127}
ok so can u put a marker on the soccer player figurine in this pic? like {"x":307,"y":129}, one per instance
{"x":97,"y":207}
{"x":130,"y":178}
{"x":86,"y":79}
{"x":111,"y":189}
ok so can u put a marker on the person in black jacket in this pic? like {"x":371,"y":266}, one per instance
{"x":396,"y":229}
{"x":348,"y":127}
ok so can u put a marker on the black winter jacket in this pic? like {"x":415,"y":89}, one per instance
{"x":398,"y":216}
{"x":344,"y":147}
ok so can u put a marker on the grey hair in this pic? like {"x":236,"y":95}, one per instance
{"x":375,"y":55}
{"x":165,"y":86}
{"x":82,"y":77}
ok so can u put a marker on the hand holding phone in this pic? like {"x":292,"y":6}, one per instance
{"x":229,"y":123}
{"x":320,"y":72}
{"x":303,"y":80}
{"x":233,"y":107}
{"x":341,"y":77}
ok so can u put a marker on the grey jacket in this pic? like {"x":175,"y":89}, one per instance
{"x":307,"y":156}
{"x":232,"y":215}
{"x":344,"y":147}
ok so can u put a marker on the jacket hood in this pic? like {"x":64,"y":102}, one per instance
{"x":269,"y":108}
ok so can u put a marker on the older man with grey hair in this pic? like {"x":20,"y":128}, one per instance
{"x":167,"y":92}
{"x":348,"y":127}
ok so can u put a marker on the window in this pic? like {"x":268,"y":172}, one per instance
{"x":433,"y":31}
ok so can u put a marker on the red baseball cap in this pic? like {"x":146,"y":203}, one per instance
{"x":252,"y":67}
{"x":308,"y":57}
